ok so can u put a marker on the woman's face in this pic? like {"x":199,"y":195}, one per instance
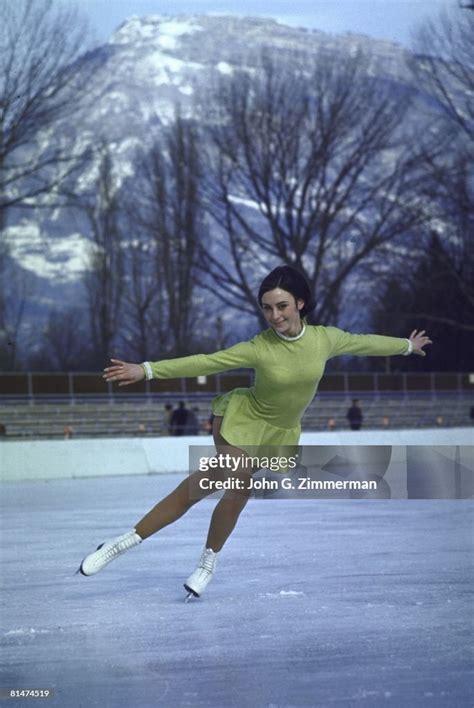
{"x":282,"y":311}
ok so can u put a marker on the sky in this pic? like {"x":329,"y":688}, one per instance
{"x":383,"y":19}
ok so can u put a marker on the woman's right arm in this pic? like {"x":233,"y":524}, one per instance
{"x":242,"y":355}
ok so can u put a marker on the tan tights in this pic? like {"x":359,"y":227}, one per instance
{"x":188,"y":493}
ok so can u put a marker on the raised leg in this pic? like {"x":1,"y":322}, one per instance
{"x":177,"y":503}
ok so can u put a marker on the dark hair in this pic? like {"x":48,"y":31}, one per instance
{"x":291,"y":280}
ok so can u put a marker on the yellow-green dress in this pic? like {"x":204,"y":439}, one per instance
{"x":287,"y":374}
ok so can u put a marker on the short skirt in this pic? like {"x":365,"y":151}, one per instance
{"x":244,"y":428}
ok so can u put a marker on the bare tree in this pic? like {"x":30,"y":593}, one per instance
{"x":104,"y":275}
{"x":64,"y":341}
{"x":17,"y":288}
{"x":143,"y":328}
{"x":165,"y":213}
{"x":435,"y":290}
{"x":443,"y":66}
{"x":309,"y":168}
{"x":431,"y":296}
{"x":42,"y":84}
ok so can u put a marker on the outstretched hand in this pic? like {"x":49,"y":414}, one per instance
{"x":123,"y":372}
{"x":419,"y":341}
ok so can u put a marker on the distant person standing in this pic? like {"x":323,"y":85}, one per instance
{"x":179,"y":419}
{"x":167,"y":418}
{"x":192,"y":424}
{"x":354,"y":415}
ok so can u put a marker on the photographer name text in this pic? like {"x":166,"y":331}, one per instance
{"x":300,"y":483}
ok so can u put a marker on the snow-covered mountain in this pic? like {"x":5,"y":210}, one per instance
{"x":148,"y":66}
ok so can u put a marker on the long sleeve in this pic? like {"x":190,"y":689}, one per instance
{"x":242,"y":355}
{"x":342,"y":342}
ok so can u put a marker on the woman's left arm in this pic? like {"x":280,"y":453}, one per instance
{"x":341,"y":342}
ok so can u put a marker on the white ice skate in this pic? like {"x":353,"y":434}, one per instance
{"x":106,"y":552}
{"x":201,"y":577}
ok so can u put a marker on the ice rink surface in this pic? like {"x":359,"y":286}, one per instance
{"x":314,"y":603}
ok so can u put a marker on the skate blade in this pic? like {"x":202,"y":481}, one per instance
{"x":190,"y":594}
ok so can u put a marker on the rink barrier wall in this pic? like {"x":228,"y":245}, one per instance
{"x":70,"y":459}
{"x":36,"y":385}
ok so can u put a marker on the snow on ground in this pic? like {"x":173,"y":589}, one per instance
{"x":314,"y":603}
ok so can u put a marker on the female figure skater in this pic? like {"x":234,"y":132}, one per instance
{"x":289,"y":359}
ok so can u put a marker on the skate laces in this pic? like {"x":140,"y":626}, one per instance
{"x":117,"y":547}
{"x":208,"y":561}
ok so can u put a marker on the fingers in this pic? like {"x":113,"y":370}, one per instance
{"x":112,"y":371}
{"x":124,"y":382}
{"x":123,"y":378}
{"x":119,"y":372}
{"x":118,"y":364}
{"x":115,"y":373}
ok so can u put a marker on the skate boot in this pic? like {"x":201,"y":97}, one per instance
{"x":106,"y":552}
{"x":200,"y":578}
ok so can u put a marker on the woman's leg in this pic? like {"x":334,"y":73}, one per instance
{"x":188,"y":493}
{"x":174,"y":506}
{"x":177,"y":503}
{"x":228,"y":509}
{"x":226,"y":513}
